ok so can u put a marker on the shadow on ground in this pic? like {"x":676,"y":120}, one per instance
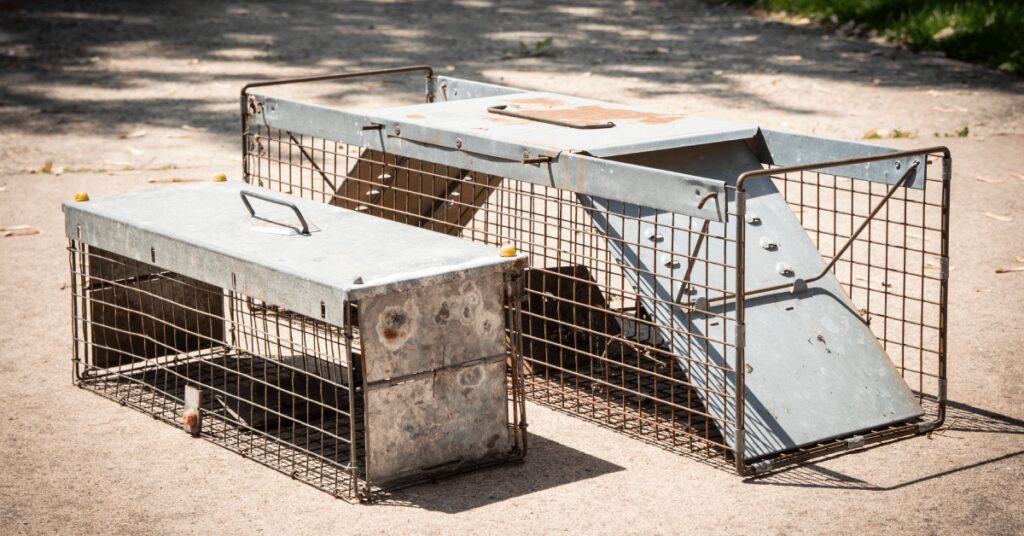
{"x":549,"y":464}
{"x":671,"y":48}
{"x":960,"y":417}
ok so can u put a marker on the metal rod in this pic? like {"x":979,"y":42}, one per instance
{"x":696,"y":248}
{"x":339,"y":76}
{"x":911,"y":170}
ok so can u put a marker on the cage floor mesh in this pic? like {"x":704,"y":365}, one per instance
{"x":237,"y":414}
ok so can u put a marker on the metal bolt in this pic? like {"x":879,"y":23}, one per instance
{"x":398,"y":130}
{"x":458,"y":143}
{"x":753,"y":219}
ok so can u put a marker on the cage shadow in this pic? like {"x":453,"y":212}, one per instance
{"x":548,"y":464}
{"x":960,"y":417}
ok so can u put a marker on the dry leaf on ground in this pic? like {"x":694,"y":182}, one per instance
{"x":18,"y":230}
{"x":1011,"y":269}
{"x":999,"y":217}
{"x":170,"y":180}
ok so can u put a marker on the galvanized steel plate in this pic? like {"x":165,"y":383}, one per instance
{"x":204,"y":232}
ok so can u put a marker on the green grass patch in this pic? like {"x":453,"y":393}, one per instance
{"x":989,"y":32}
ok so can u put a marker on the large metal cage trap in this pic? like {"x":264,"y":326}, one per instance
{"x":747,"y":296}
{"x":351,"y":353}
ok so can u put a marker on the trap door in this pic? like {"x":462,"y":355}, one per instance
{"x":815,"y":371}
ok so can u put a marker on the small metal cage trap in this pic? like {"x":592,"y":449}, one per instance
{"x":748,"y":296}
{"x":349,"y":352}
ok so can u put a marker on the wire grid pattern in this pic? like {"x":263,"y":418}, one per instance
{"x":591,"y":343}
{"x":893,"y":271}
{"x":275,"y":383}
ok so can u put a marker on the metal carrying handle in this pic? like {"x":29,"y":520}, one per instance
{"x":501,"y":109}
{"x":245,"y":200}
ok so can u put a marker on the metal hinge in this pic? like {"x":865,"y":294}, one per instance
{"x":855,"y":442}
{"x":430,"y":89}
{"x":944,"y":268}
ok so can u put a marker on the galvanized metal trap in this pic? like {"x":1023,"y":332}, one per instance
{"x":744,"y":295}
{"x":349,"y":352}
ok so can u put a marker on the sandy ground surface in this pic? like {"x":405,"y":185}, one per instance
{"x":117,"y":95}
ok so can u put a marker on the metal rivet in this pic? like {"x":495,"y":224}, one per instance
{"x":653,"y":236}
{"x":784,"y":269}
{"x":768,"y":243}
{"x":673,"y":264}
{"x":898,"y":165}
{"x":753,"y":219}
{"x":458,"y":143}
{"x":398,"y":130}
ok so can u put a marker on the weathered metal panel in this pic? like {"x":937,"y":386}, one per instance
{"x":814,"y":369}
{"x":788,"y":149}
{"x":452,"y":89}
{"x":475,"y":150}
{"x":439,"y":422}
{"x":203,"y":231}
{"x":435,"y":373}
{"x":431,"y":328}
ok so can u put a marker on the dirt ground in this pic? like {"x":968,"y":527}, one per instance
{"x":114,"y":95}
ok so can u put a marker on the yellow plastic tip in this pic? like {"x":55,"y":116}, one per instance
{"x":507,"y":251}
{"x":82,"y":196}
{"x":220,"y":177}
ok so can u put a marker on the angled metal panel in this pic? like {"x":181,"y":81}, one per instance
{"x":814,"y":369}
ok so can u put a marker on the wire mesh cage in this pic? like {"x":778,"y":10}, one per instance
{"x":350,"y":395}
{"x":640,"y":314}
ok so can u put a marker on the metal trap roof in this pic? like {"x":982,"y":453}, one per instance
{"x":564,"y":123}
{"x":205,"y":231}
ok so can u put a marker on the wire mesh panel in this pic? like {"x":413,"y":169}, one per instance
{"x":277,"y":384}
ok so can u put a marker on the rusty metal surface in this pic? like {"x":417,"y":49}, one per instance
{"x":454,"y":417}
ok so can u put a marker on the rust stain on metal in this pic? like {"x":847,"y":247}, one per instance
{"x":543,"y":101}
{"x":395,"y":325}
{"x":504,"y":120}
{"x":595,"y":113}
